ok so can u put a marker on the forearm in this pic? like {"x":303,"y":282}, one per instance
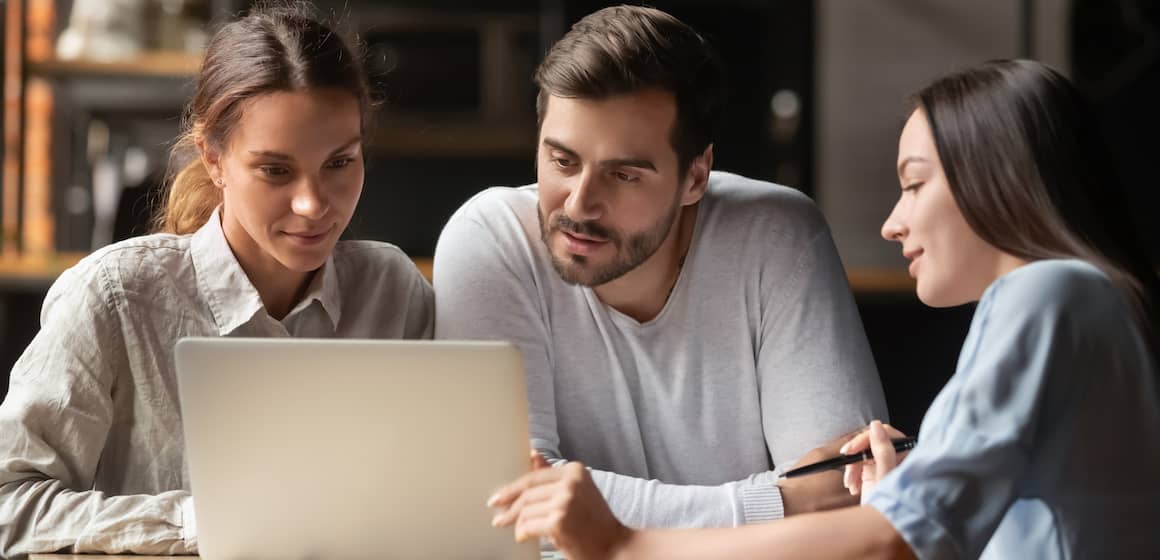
{"x":43,"y":516}
{"x":814,"y":493}
{"x":641,"y":503}
{"x":859,"y":532}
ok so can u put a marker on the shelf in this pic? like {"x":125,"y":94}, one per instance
{"x":444,"y":136}
{"x":425,"y":265}
{"x":42,"y":271}
{"x":49,"y":266}
{"x":391,"y":134}
{"x":160,"y":64}
{"x":35,"y":273}
{"x":873,"y":280}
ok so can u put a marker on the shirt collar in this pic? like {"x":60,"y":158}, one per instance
{"x":232,"y":298}
{"x":220,"y":278}
{"x":324,"y":288}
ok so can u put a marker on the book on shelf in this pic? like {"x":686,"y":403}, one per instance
{"x":38,"y":223}
{"x":13,"y":89}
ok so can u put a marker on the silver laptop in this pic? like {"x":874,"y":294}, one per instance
{"x":303,"y":448}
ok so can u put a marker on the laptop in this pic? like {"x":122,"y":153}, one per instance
{"x":311,"y":448}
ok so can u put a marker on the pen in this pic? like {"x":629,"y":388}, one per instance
{"x":900,"y":444}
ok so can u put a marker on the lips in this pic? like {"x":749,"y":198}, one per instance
{"x":584,"y":237}
{"x":308,"y":237}
{"x":580,"y":244}
{"x":913,"y":256}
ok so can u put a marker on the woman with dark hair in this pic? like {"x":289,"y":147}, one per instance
{"x":268,"y":173}
{"x":1045,"y":442}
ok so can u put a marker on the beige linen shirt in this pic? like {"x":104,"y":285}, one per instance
{"x":92,"y":457}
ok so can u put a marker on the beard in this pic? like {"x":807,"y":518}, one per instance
{"x":630,"y":250}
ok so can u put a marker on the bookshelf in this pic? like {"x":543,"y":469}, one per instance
{"x":34,"y":273}
{"x":40,"y":272}
{"x":149,"y":64}
{"x":13,"y":127}
{"x":477,"y":108}
{"x":49,"y":107}
{"x":880,"y":280}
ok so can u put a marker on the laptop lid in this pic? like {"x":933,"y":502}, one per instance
{"x":310,"y":448}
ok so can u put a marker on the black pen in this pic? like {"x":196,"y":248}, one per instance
{"x":900,"y":444}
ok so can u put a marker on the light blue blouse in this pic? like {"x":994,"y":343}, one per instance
{"x":1046,"y":441}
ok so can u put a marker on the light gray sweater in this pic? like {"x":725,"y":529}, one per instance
{"x":757,"y":357}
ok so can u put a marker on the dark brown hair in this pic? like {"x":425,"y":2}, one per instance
{"x":1026,"y":164}
{"x":624,"y":49}
{"x":277,"y":47}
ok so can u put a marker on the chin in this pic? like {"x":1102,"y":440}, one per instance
{"x":579,"y":271}
{"x":304,"y":263}
{"x":571,"y":272}
{"x":935,"y":297}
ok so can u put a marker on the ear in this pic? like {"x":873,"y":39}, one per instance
{"x":697,"y":177}
{"x":211,"y":159}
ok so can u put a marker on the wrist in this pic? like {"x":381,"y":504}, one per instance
{"x":791,"y":499}
{"x":625,"y":545}
{"x":824,"y":492}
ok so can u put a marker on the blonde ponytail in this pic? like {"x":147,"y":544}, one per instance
{"x":191,"y":196}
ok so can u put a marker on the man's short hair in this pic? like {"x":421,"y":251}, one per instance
{"x":625,"y":49}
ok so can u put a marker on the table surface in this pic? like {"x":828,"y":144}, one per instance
{"x":90,"y":557}
{"x":543,"y":556}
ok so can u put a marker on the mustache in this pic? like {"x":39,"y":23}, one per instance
{"x":562,"y":222}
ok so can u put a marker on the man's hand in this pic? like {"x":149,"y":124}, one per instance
{"x":861,"y":478}
{"x":563,"y":505}
{"x":817,"y":492}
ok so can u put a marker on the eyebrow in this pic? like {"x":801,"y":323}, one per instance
{"x":909,"y":160}
{"x":617,"y":162}
{"x":283,"y":157}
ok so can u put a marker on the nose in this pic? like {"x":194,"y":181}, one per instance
{"x":583,"y":202}
{"x":309,"y":199}
{"x":894,"y":228}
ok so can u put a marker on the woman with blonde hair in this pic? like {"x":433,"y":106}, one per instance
{"x":270,"y":170}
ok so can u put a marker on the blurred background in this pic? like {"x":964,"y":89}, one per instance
{"x":94,"y":89}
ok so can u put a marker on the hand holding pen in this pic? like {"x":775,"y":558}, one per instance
{"x":842,"y":461}
{"x":866,"y":458}
{"x":861,"y":477}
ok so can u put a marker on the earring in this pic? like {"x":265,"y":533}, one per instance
{"x":218,"y":181}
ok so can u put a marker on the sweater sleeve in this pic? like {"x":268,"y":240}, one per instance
{"x":816,"y":374}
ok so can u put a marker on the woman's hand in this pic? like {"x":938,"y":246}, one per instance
{"x":860,"y":478}
{"x":563,"y":505}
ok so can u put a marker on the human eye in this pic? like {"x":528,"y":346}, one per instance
{"x":340,"y":163}
{"x":274,"y":171}
{"x":561,"y":162}
{"x":912,"y":187}
{"x":625,"y":177}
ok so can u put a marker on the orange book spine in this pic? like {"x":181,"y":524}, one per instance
{"x":13,"y":102}
{"x":38,"y":226}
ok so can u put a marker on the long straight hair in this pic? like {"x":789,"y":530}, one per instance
{"x":1026,"y":164}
